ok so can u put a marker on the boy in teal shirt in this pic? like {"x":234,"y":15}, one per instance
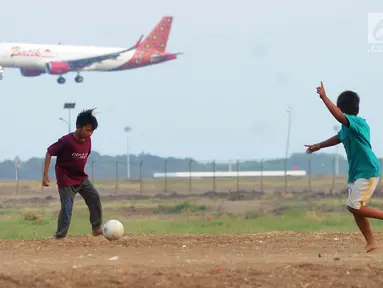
{"x":364,"y":168}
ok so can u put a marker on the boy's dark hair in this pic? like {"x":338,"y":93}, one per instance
{"x":86,"y":117}
{"x":348,"y":102}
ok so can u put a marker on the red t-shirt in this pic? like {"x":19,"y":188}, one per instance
{"x":72,"y":155}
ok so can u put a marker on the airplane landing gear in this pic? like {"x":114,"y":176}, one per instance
{"x":1,"y":72}
{"x":79,"y":79}
{"x":61,"y":80}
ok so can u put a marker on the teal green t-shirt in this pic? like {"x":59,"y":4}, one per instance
{"x":362,"y":161}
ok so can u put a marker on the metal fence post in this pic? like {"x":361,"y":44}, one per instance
{"x":116,"y":176}
{"x":333,"y":175}
{"x":141,"y":163}
{"x":261,"y":166}
{"x":166,"y":175}
{"x":237,"y":175}
{"x":309,"y":171}
{"x":214,"y":176}
{"x":190,"y":177}
{"x":285,"y":166}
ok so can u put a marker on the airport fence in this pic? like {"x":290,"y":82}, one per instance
{"x":170,"y":176}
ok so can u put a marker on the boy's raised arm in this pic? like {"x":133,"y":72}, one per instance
{"x":335,"y":111}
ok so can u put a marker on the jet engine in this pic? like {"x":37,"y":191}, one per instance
{"x":57,"y":68}
{"x":31,"y":72}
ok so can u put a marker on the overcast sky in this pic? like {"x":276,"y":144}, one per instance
{"x":245,"y":62}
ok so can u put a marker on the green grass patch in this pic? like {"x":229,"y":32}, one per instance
{"x":184,"y":207}
{"x":17,"y":228}
{"x":253,"y":215}
{"x":188,"y":218}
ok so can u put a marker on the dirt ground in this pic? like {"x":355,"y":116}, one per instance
{"x":258,"y":260}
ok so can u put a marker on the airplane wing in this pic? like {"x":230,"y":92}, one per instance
{"x":75,"y":64}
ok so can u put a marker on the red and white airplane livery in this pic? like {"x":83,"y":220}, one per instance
{"x":36,"y":59}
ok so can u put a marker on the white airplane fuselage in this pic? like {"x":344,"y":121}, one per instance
{"x":36,"y":56}
{"x":34,"y":60}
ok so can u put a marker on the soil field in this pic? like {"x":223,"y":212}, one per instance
{"x":277,"y":259}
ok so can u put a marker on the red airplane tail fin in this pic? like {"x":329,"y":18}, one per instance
{"x":156,"y":41}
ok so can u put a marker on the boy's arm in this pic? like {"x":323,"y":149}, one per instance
{"x":46,"y":164}
{"x":334,"y":140}
{"x":335,"y":111}
{"x":53,"y":150}
{"x":327,"y":143}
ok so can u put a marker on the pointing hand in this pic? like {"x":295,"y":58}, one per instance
{"x":321,"y":91}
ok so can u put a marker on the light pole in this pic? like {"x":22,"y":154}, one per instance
{"x":289,"y":112}
{"x":127,"y":129}
{"x":69,"y":106}
{"x":65,"y":121}
{"x":336,"y":129}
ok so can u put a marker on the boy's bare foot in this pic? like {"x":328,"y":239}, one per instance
{"x":371,"y":246}
{"x":97,"y":232}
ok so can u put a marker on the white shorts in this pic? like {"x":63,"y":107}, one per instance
{"x":361,"y":191}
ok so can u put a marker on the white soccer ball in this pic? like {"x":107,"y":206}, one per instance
{"x":113,"y":230}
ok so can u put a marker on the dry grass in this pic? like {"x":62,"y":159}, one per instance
{"x":182,"y":186}
{"x":31,"y":216}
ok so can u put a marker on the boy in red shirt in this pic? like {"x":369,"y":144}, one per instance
{"x":72,"y":151}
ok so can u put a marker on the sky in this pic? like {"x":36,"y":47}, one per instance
{"x":226,"y":98}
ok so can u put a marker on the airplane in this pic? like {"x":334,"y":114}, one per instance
{"x":34,"y":60}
